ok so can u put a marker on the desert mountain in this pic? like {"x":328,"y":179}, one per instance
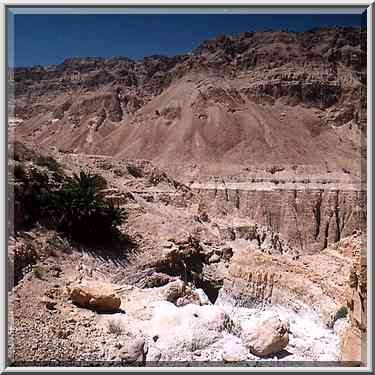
{"x":238,"y":166}
{"x":261,"y":98}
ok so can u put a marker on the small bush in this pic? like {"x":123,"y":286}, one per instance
{"x":75,"y":206}
{"x":341,"y":313}
{"x":115,"y":327}
{"x":38,"y":271}
{"x":36,"y":196}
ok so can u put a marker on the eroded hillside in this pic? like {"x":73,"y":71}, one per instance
{"x":235,"y":101}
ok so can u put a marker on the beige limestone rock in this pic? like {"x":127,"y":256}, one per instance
{"x":133,"y":350}
{"x":268,"y":337}
{"x":234,"y":352}
{"x":97,"y":296}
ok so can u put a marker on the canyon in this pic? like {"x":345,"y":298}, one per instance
{"x":242,"y":170}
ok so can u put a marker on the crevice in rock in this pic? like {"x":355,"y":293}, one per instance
{"x":226,"y":195}
{"x":295,"y":211}
{"x":326,"y":235}
{"x":211,"y":288}
{"x":194,"y":274}
{"x":337,"y":216}
{"x":225,"y":191}
{"x":237,"y":200}
{"x":344,"y":221}
{"x":317,"y":215}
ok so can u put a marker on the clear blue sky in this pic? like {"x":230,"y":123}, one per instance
{"x":49,"y":39}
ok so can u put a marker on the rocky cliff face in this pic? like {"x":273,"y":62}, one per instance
{"x":319,"y":55}
{"x":354,"y":337}
{"x":310,"y":219}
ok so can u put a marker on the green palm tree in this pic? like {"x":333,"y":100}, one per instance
{"x":82,"y":210}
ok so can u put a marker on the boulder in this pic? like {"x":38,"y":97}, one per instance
{"x":234,"y":352}
{"x":174,"y":290}
{"x":267,"y":337}
{"x":133,"y":351}
{"x":99,"y":296}
{"x":187,"y":328}
{"x":196,"y":296}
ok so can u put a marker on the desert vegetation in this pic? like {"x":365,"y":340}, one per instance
{"x":73,"y":205}
{"x":80,"y":210}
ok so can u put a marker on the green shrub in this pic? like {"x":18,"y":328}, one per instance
{"x":341,"y":313}
{"x":76,"y":206}
{"x":115,"y":327}
{"x":80,"y":210}
{"x":38,"y":271}
{"x":36,"y":196}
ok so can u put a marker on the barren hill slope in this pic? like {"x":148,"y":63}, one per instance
{"x":252,"y":98}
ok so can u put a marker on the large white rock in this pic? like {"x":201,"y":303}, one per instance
{"x":187,"y":328}
{"x":133,"y":350}
{"x":234,"y":351}
{"x":266,"y":337}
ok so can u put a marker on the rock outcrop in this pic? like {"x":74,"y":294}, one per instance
{"x":354,"y":338}
{"x":310,"y":219}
